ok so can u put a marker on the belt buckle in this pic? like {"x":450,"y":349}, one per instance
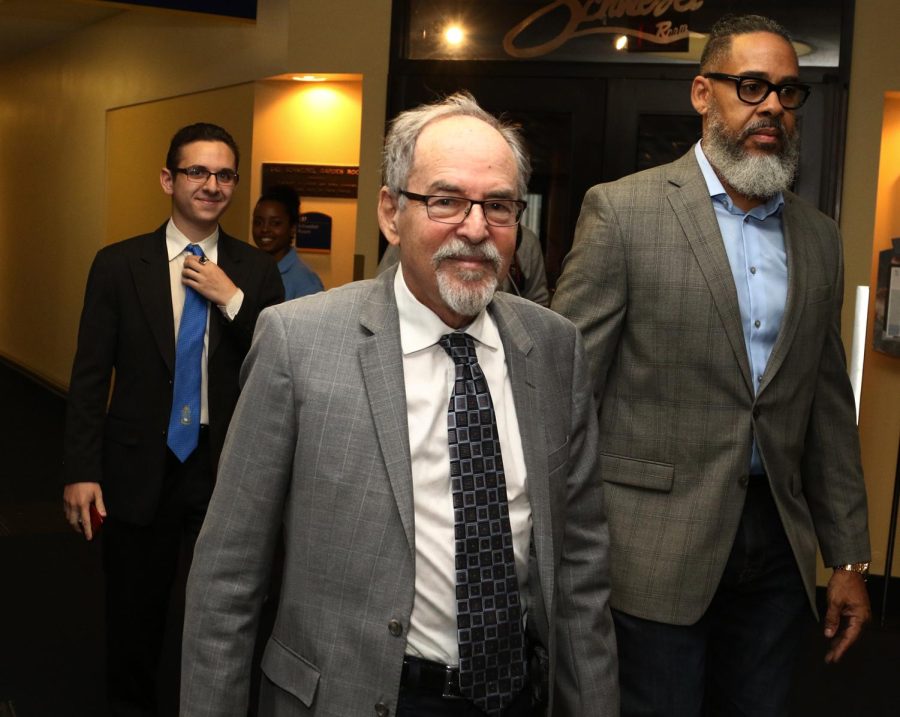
{"x":450,"y":691}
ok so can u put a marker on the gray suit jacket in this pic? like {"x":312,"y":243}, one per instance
{"x":319,"y":442}
{"x":649,"y":285}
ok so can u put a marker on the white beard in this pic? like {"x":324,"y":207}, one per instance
{"x":752,"y":174}
{"x":467,"y":292}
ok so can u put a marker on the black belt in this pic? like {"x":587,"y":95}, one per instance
{"x":428,"y":676}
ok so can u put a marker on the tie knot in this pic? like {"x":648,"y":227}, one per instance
{"x":460,"y":347}
{"x":194,"y":249}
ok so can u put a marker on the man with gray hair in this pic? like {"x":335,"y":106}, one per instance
{"x":709,"y":297}
{"x":429,"y":446}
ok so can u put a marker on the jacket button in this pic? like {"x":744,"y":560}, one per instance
{"x":756,"y":411}
{"x":395,"y":628}
{"x":744,"y":481}
{"x":381,"y":710}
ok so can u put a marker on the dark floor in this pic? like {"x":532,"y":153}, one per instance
{"x":51,"y":596}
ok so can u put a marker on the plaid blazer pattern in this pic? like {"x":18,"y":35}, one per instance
{"x":319,"y":443}
{"x":649,"y":285}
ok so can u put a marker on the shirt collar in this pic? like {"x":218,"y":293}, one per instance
{"x":717,"y":191}
{"x":177,"y":242}
{"x":421,"y":328}
{"x":286,"y":262}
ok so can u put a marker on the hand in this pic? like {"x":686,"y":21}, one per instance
{"x":208,"y":280}
{"x":77,"y":500}
{"x":848,"y":611}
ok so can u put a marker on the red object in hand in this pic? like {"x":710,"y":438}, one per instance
{"x":96,"y":519}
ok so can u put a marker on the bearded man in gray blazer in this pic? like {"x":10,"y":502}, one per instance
{"x":709,"y":297}
{"x":344,"y":436}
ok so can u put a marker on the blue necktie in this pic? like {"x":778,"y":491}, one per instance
{"x":184,"y":422}
{"x":492,"y":669}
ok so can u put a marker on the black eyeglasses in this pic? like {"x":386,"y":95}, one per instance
{"x":754,"y":90}
{"x":198,"y":173}
{"x":454,"y":210}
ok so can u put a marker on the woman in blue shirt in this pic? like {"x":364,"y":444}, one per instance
{"x":275,"y":221}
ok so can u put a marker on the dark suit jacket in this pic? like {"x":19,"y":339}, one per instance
{"x":127,"y":330}
{"x":320,"y":443}
{"x":649,"y":284}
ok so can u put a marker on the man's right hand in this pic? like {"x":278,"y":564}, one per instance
{"x":77,"y":501}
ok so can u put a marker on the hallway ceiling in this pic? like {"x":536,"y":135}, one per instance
{"x":28,"y":25}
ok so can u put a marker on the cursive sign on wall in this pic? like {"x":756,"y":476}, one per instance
{"x":581,"y":13}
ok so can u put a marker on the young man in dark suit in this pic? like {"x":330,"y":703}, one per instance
{"x":170,"y":314}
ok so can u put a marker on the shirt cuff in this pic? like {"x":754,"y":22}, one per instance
{"x":231,"y":309}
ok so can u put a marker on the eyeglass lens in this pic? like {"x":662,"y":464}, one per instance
{"x":453,"y":210}
{"x":755,"y":91}
{"x":197,"y":173}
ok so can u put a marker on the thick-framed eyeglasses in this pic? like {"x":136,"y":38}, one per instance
{"x":754,"y":90}
{"x":198,"y":173}
{"x":454,"y":210}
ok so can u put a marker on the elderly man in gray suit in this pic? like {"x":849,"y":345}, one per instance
{"x":709,"y":297}
{"x":429,"y":446}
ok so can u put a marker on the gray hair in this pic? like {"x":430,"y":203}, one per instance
{"x":404,"y":131}
{"x":718,"y":45}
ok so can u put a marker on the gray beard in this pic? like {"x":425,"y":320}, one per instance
{"x":467,"y":293}
{"x":752,"y":174}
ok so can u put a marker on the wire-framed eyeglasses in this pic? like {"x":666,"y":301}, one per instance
{"x":754,"y":90}
{"x":200,"y":174}
{"x":454,"y":210}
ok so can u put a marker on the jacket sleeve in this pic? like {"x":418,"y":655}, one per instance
{"x":233,"y":555}
{"x":261,"y":290}
{"x":593,"y":289}
{"x":91,"y":375}
{"x":586,"y":680}
{"x":831,"y":465}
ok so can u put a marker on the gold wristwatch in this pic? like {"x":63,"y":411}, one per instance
{"x":861,"y":568}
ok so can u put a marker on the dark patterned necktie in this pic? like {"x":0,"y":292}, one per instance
{"x":488,"y":609}
{"x":184,"y":420}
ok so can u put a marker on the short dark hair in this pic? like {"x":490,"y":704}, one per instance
{"x":718,"y":45}
{"x":285,"y":196}
{"x":199,"y":132}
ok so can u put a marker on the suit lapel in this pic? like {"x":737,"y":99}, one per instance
{"x":150,"y":269}
{"x":794,"y":241}
{"x":381,"y":361}
{"x":690,"y":201}
{"x":524,"y":376}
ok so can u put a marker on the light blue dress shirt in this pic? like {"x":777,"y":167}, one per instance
{"x":754,"y":242}
{"x":297,"y":277}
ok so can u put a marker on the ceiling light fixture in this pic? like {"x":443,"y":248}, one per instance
{"x":454,"y":35}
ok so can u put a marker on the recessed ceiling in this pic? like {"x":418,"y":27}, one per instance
{"x":28,"y":25}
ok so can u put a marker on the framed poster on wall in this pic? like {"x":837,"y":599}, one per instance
{"x":886,"y":334}
{"x":313,"y":180}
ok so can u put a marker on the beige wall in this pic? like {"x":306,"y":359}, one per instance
{"x":312,"y":123}
{"x":53,"y":129}
{"x":344,"y":36}
{"x":870,"y":184}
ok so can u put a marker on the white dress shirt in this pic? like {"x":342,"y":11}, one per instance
{"x":428,"y":376}
{"x":176,"y":245}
